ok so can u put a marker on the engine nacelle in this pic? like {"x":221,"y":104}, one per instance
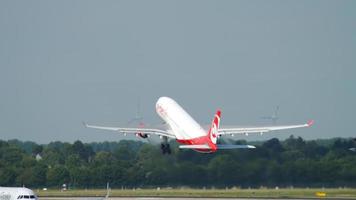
{"x":142,"y":135}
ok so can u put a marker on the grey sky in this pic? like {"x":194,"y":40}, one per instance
{"x":62,"y":62}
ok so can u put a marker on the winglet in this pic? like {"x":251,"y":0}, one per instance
{"x":310,"y":122}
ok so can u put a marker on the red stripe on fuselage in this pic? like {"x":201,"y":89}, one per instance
{"x":200,"y":141}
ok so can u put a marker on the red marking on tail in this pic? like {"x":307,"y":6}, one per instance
{"x":213,"y":132}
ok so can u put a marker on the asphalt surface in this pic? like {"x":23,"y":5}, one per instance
{"x":149,"y":198}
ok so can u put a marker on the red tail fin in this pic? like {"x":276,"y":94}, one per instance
{"x":213,"y":132}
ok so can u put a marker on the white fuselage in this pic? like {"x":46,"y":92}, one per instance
{"x":181,"y":124}
{"x":17,"y":193}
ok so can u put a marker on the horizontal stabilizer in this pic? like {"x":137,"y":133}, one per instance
{"x":194,"y":146}
{"x":232,"y":146}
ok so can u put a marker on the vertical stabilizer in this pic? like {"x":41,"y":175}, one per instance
{"x":213,"y":132}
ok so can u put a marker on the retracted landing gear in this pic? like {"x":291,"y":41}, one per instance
{"x":166,"y":149}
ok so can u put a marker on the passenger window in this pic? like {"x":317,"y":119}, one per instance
{"x":32,"y":197}
{"x":26,"y":196}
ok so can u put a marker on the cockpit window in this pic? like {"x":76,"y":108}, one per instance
{"x":26,"y":197}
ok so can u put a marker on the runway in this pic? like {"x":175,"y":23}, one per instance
{"x":152,"y":198}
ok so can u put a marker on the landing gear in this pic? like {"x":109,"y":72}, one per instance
{"x":165,"y":146}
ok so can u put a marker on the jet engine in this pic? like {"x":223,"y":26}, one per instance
{"x":142,"y":135}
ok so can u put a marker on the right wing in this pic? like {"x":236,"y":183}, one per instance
{"x":148,"y":131}
{"x":247,"y":130}
{"x":220,"y":146}
{"x":195,"y":146}
{"x":235,"y":146}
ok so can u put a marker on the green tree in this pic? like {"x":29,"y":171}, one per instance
{"x":7,"y":176}
{"x":39,"y":173}
{"x":57,"y":176}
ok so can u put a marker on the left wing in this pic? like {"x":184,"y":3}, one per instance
{"x":149,"y":131}
{"x":261,"y":130}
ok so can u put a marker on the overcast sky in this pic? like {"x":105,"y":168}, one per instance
{"x":64,"y":62}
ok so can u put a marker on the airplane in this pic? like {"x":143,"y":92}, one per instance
{"x":16,"y":193}
{"x":186,"y":131}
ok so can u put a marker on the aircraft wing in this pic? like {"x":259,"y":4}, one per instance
{"x":220,"y":146}
{"x":194,"y":146}
{"x":261,"y":130}
{"x":148,"y":131}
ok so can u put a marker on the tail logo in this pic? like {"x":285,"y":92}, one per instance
{"x":214,"y":127}
{"x":213,"y":133}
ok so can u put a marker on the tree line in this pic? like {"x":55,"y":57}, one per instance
{"x":292,"y":162}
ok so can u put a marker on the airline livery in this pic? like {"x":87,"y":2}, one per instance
{"x":186,"y":131}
